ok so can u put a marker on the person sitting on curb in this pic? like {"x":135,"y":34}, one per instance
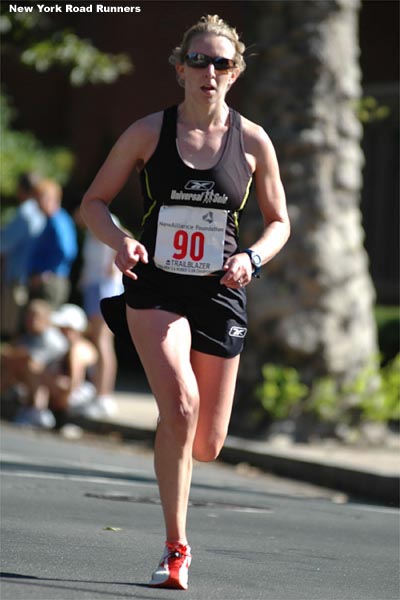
{"x":24,"y":365}
{"x":70,"y":390}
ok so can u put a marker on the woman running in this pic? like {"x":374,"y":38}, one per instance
{"x":185,"y":278}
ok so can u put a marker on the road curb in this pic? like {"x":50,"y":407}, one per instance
{"x":127,"y":432}
{"x":361,"y":483}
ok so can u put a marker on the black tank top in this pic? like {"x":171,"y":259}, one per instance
{"x":167,"y":180}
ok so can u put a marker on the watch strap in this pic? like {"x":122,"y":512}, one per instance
{"x":256,"y":268}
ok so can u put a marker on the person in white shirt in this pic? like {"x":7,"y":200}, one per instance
{"x":100,"y":278}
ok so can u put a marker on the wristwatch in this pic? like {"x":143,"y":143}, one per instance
{"x":255,"y":261}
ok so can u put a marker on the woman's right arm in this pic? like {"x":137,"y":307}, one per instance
{"x":133,"y":148}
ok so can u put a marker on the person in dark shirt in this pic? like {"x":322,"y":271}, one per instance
{"x":185,"y":279}
{"x":54,"y":250}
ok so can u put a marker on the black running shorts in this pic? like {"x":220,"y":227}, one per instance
{"x":216,"y":314}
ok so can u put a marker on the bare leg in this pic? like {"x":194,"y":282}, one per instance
{"x":18,"y":367}
{"x":216,"y":379}
{"x":106,"y":368}
{"x":163,"y":340}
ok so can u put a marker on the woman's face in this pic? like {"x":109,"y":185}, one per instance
{"x":208,"y":84}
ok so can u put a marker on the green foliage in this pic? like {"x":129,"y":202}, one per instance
{"x":323,"y":399}
{"x":373,"y":395}
{"x":87,"y":64}
{"x":366,"y":384}
{"x":384,"y":404}
{"x":33,"y":39}
{"x":369,"y":110}
{"x":280,"y":390}
{"x":19,"y":28}
{"x":21,"y":152}
{"x":384,"y":313}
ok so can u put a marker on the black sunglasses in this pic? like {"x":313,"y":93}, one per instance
{"x":197,"y":60}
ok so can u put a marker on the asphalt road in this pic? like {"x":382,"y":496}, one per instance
{"x":81,"y":520}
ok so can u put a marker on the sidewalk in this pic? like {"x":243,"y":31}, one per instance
{"x":371,"y":474}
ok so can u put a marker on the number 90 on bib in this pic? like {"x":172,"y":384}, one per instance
{"x":190,"y":240}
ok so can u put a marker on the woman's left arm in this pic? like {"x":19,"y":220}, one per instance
{"x":272,"y":202}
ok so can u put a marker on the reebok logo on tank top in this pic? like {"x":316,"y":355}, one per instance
{"x":199,"y":191}
{"x":196,"y":185}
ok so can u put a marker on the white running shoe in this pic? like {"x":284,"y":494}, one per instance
{"x":173,"y":570}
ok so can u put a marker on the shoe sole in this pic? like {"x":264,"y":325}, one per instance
{"x":170,"y":583}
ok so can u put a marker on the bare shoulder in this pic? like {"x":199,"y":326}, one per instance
{"x":256,"y":140}
{"x":149,"y":125}
{"x":141,"y":137}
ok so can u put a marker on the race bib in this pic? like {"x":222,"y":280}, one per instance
{"x":190,"y":240}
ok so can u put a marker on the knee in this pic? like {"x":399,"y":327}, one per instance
{"x":207,"y":452}
{"x":182,"y":413}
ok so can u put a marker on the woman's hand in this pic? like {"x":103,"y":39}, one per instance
{"x":130,"y":253}
{"x":238,"y":271}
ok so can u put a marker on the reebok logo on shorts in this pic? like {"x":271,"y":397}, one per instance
{"x":239,"y":332}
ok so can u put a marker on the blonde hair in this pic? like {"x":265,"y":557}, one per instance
{"x":217,"y":26}
{"x":49,"y":185}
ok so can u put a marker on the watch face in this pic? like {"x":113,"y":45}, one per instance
{"x":256,"y":260}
